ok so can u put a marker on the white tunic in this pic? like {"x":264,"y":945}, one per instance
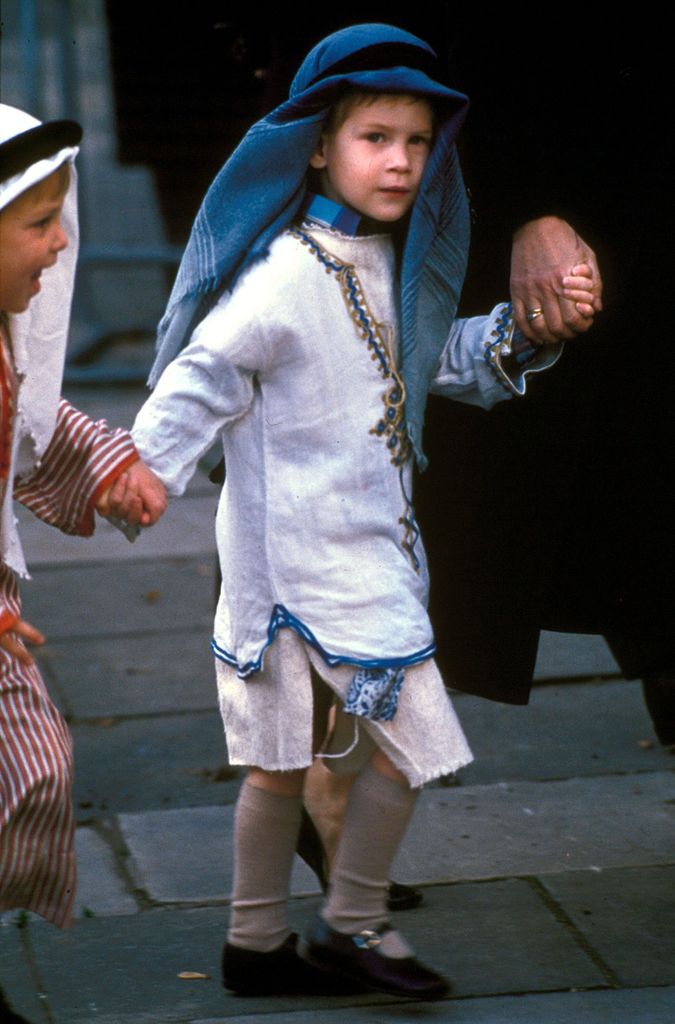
{"x":315,"y":529}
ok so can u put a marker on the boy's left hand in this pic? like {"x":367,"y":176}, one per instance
{"x":138,"y":497}
{"x":579,"y":288}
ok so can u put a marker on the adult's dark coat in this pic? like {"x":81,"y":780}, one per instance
{"x":555,"y":512}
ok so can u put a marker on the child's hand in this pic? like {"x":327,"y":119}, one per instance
{"x":543,"y":252}
{"x":579,"y":287}
{"x":137,"y":496}
{"x":12,"y":640}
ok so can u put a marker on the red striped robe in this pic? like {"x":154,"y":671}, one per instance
{"x":37,"y":860}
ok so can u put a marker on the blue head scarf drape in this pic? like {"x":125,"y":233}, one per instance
{"x":260,"y":189}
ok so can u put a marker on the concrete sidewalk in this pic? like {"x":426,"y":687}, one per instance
{"x":549,"y":870}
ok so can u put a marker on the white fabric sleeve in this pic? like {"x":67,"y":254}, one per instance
{"x":210,"y":385}
{"x":471,"y":367}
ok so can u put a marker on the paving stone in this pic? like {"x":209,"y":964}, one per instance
{"x":530,"y":828}
{"x":132,"y":675}
{"x":152,"y":762}
{"x":497,"y":937}
{"x":118,"y":970}
{"x":566,"y":655}
{"x":629,"y":1006}
{"x":127,"y":598}
{"x":185,"y":856}
{"x":188,"y":526}
{"x":564,"y":732}
{"x":627,"y":915}
{"x":469,"y":833}
{"x":100,"y":889}
{"x":16,"y":979}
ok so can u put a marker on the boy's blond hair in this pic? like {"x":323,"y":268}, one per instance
{"x":352,"y":98}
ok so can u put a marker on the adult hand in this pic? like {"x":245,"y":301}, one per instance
{"x":546,"y":251}
{"x":13,"y":640}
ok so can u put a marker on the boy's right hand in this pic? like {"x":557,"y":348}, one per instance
{"x":13,"y":640}
{"x":138,"y":497}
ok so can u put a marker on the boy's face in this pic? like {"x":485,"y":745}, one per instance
{"x":375,"y":160}
{"x":31,"y":238}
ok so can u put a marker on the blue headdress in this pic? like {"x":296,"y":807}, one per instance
{"x":260,"y":190}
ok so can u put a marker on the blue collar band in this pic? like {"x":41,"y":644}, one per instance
{"x":330,"y":214}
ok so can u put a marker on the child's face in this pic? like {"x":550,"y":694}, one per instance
{"x":375,"y":160}
{"x":31,"y":237}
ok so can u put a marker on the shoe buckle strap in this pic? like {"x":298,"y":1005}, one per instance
{"x":369,"y":938}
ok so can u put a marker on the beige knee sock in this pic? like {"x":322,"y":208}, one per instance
{"x":265,"y":833}
{"x":375,"y":822}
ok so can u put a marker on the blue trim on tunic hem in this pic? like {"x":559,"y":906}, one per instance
{"x":281,"y":618}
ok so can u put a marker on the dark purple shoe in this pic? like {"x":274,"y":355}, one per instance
{"x":281,"y":972}
{"x":357,"y":958}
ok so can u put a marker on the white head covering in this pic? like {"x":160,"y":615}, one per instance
{"x":40,"y":334}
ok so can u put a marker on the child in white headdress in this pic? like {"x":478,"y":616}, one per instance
{"x":62,"y":466}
